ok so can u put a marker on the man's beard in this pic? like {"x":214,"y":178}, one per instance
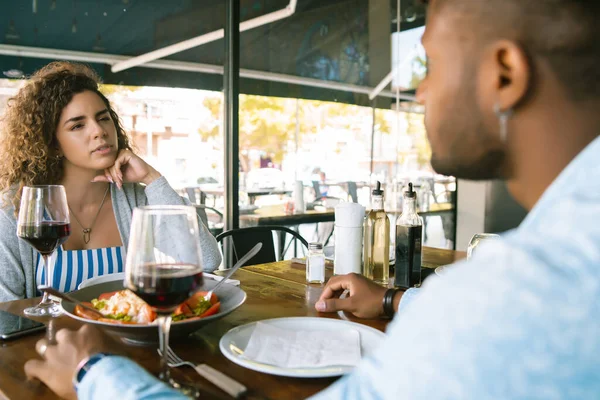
{"x":474,"y":152}
{"x":489,"y":166}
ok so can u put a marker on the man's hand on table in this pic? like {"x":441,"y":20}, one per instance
{"x":60,"y":360}
{"x":364,"y":300}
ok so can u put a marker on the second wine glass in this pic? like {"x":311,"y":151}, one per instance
{"x":163,"y":266}
{"x":44,"y":224}
{"x":476,"y":240}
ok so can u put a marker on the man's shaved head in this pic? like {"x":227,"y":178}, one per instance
{"x":563,"y":33}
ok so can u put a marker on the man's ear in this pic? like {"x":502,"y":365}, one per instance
{"x":508,"y":74}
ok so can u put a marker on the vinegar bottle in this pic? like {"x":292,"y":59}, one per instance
{"x":409,"y":249}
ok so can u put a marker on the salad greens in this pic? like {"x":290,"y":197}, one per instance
{"x":100,"y":304}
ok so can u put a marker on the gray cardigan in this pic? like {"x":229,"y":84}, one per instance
{"x":17,"y":258}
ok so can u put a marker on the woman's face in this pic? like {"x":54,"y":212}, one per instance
{"x":86,"y":133}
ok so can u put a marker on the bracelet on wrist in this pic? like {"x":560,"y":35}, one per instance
{"x":84,"y":366}
{"x":388,"y":302}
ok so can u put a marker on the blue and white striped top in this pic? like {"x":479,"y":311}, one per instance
{"x":75,"y":266}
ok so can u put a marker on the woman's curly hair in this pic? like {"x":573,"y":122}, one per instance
{"x":28,"y":143}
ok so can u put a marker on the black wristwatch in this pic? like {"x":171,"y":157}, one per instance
{"x":85,"y":365}
{"x":388,"y":302}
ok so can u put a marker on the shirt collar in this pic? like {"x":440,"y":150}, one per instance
{"x":576,"y":177}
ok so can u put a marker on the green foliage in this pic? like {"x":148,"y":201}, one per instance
{"x":269,"y":123}
{"x":109,"y":90}
{"x":419,"y":71}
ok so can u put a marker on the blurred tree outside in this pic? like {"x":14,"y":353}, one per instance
{"x":416,"y":129}
{"x":419,"y":70}
{"x":109,"y":90}
{"x":268,"y":124}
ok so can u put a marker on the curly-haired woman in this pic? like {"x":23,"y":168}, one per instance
{"x":60,"y":129}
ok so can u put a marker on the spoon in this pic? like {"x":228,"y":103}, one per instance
{"x":51,"y":291}
{"x":237,"y":265}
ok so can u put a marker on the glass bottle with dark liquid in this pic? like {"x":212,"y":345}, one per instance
{"x":409,"y":238}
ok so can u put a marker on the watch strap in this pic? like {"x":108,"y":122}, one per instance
{"x":85,"y":365}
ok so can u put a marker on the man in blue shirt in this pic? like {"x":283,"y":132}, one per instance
{"x":512,"y":92}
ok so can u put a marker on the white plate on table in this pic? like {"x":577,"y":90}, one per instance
{"x":234,"y":342}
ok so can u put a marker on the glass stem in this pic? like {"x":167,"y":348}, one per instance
{"x":47,"y":281}
{"x":164,"y":326}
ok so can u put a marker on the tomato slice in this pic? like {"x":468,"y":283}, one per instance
{"x":183,"y":309}
{"x":106,"y":296}
{"x":211,"y":311}
{"x":82,"y":312}
{"x":193,"y":301}
{"x":187,"y":308}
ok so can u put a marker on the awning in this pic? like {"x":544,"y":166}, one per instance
{"x":318,"y":51}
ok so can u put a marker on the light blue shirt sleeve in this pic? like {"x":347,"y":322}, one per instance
{"x":116,"y":377}
{"x":408,"y":297}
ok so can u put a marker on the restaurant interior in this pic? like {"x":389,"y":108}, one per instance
{"x":271,"y":118}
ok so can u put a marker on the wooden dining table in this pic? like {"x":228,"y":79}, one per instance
{"x":276,"y":215}
{"x":273,"y":290}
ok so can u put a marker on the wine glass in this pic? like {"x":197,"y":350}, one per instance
{"x":476,"y":240}
{"x":44,"y":224}
{"x":164,"y":267}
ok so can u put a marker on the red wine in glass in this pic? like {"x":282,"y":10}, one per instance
{"x":164,"y":267}
{"x":46,"y":236}
{"x":166,"y":286}
{"x":43,"y":222}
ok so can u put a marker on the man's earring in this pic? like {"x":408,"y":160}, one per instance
{"x":503,"y":117}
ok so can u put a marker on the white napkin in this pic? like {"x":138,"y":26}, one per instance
{"x":349,"y":215}
{"x":349,"y":218}
{"x":299,"y":197}
{"x":218,"y":278}
{"x":348,"y":250}
{"x":303,"y":349}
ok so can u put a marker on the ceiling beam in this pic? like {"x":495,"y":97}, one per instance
{"x":289,"y":10}
{"x":111,"y":59}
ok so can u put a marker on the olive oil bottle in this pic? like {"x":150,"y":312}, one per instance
{"x":376,"y":264}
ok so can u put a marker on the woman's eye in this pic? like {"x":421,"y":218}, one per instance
{"x":107,"y":118}
{"x":75,"y":127}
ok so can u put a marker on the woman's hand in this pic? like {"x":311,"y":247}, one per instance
{"x":365,"y":298}
{"x":128,"y":167}
{"x":60,"y":360}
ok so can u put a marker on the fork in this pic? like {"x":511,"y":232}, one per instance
{"x":217,"y":378}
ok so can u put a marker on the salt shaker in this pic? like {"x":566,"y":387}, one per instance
{"x":315,"y":263}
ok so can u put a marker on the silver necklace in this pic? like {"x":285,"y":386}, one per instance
{"x":87,"y":232}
